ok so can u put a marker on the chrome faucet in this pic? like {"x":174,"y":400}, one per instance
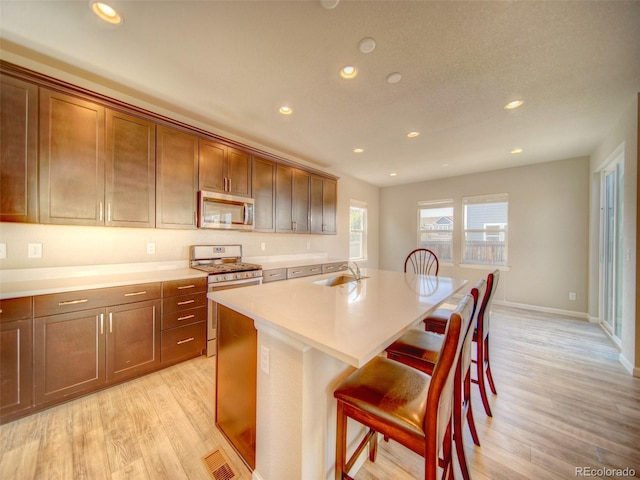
{"x":357,"y":274}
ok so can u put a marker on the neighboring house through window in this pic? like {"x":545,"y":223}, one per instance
{"x":484,"y":239}
{"x":435,"y":228}
{"x":357,"y":230}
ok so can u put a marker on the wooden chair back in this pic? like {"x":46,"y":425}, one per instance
{"x":484,"y":311}
{"x":423,"y":261}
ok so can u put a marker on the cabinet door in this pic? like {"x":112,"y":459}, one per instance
{"x":130,"y":171}
{"x":316,"y":209}
{"x":263,"y":180}
{"x":213,"y":159}
{"x":15,"y":366}
{"x":133,"y":339}
{"x":239,"y":173}
{"x":329,"y":206}
{"x":18,"y":150}
{"x":284,"y":193}
{"x":71,"y":160}
{"x":69,"y":354}
{"x":301,"y":201}
{"x":177,"y":179}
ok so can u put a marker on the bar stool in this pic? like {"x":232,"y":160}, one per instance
{"x":437,"y":321}
{"x":404,"y":404}
{"x":420,"y":349}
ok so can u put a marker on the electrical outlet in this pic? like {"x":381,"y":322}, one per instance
{"x":263,"y":246}
{"x":308,"y":245}
{"x":151,"y":248}
{"x":3,"y":250}
{"x":34,"y":250}
{"x":264,"y":359}
{"x":572,"y":295}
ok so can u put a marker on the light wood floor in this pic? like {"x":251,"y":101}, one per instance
{"x":563,"y":402}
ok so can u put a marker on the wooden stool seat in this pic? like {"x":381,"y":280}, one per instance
{"x":391,"y":391}
{"x":417,"y":346}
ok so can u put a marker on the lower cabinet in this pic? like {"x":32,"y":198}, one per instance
{"x":16,"y":341}
{"x":83,"y":351}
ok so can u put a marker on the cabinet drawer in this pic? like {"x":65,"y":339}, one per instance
{"x":295,"y":272}
{"x":184,"y":286}
{"x":183,"y":342}
{"x":334,"y":267}
{"x":131,"y":293}
{"x":184,"y":317}
{"x":183,"y":302}
{"x":274,"y":275}
{"x":15,"y":309}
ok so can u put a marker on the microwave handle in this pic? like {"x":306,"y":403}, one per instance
{"x":245,"y":213}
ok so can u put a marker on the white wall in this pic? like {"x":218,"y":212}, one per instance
{"x":623,"y":135}
{"x":548,"y":229}
{"x":72,"y":245}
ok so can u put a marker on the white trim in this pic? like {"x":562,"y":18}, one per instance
{"x":593,"y":319}
{"x":628,"y":366}
{"x":256,"y":476}
{"x":537,"y":308}
{"x":485,"y":266}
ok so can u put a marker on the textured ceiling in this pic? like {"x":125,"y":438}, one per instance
{"x":231,"y":64}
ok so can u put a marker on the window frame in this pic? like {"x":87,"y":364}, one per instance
{"x":503,"y":231}
{"x":357,"y":204}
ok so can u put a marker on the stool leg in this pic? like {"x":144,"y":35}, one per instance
{"x":341,"y":441}
{"x":470,"y":419}
{"x":486,"y":357}
{"x":480,"y":376}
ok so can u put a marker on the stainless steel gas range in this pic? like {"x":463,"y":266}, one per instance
{"x":226,"y":270}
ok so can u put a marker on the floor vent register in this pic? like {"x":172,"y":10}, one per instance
{"x":219,"y":466}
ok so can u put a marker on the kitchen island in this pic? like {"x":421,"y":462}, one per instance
{"x":310,"y":336}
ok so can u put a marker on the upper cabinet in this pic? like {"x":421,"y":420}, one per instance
{"x":264,"y":194}
{"x":130,"y":173}
{"x":324,"y":195}
{"x":177,"y":179}
{"x":71,"y":160}
{"x":292,"y":199}
{"x":224,"y":169}
{"x":97,"y":166}
{"x":18,"y":150}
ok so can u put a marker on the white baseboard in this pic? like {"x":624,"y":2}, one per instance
{"x":256,"y":476}
{"x":537,"y":308}
{"x":634,"y":371}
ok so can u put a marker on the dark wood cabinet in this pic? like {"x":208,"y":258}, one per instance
{"x":177,"y":178}
{"x":133,"y":339}
{"x":71,"y":160}
{"x":88,"y":339}
{"x":224,"y":169}
{"x":18,"y":150}
{"x":264,"y":194}
{"x":16,"y":350}
{"x":130,"y":173}
{"x":292,"y":199}
{"x":324,"y":194}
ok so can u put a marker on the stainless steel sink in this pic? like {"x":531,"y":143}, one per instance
{"x":339,"y":280}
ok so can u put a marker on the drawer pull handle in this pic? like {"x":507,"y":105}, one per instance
{"x":186,"y":317}
{"x":295,"y":272}
{"x":186,"y":286}
{"x":186,"y":340}
{"x":186,"y":302}
{"x":73,"y":302}
{"x":275,"y":274}
{"x":315,"y":269}
{"x":133,"y":294}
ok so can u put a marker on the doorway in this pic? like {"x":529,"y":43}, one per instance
{"x":611,"y":188}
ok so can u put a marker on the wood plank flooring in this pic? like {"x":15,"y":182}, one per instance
{"x":564,"y":402}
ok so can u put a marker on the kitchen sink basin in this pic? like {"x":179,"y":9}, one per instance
{"x":339,"y":280}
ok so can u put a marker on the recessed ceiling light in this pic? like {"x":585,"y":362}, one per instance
{"x":413,"y":134}
{"x":367,"y":45}
{"x":513,"y":104}
{"x":394,"y":174}
{"x":358,"y":150}
{"x":516,"y":151}
{"x":394,"y":77}
{"x":445,"y":164}
{"x":106,"y":13}
{"x":329,"y":4}
{"x":349,"y":72}
{"x":284,"y":110}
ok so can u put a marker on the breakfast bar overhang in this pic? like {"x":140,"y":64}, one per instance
{"x":310,"y":336}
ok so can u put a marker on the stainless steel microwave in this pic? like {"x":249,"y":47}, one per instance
{"x":219,"y":210}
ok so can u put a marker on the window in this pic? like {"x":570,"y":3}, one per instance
{"x":485,"y":229}
{"x":435,"y":228}
{"x":357,"y":230}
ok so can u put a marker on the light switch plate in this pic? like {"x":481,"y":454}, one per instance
{"x":3,"y":250}
{"x":264,"y":359}
{"x":151,"y":248}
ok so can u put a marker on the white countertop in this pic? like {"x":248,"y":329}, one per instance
{"x":41,"y":281}
{"x":351,"y":322}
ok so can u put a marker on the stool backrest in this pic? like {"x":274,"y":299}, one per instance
{"x":478,"y":293}
{"x":440,"y":395}
{"x":484,"y":311}
{"x":422,"y":260}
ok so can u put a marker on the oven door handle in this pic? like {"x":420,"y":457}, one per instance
{"x":235,"y":283}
